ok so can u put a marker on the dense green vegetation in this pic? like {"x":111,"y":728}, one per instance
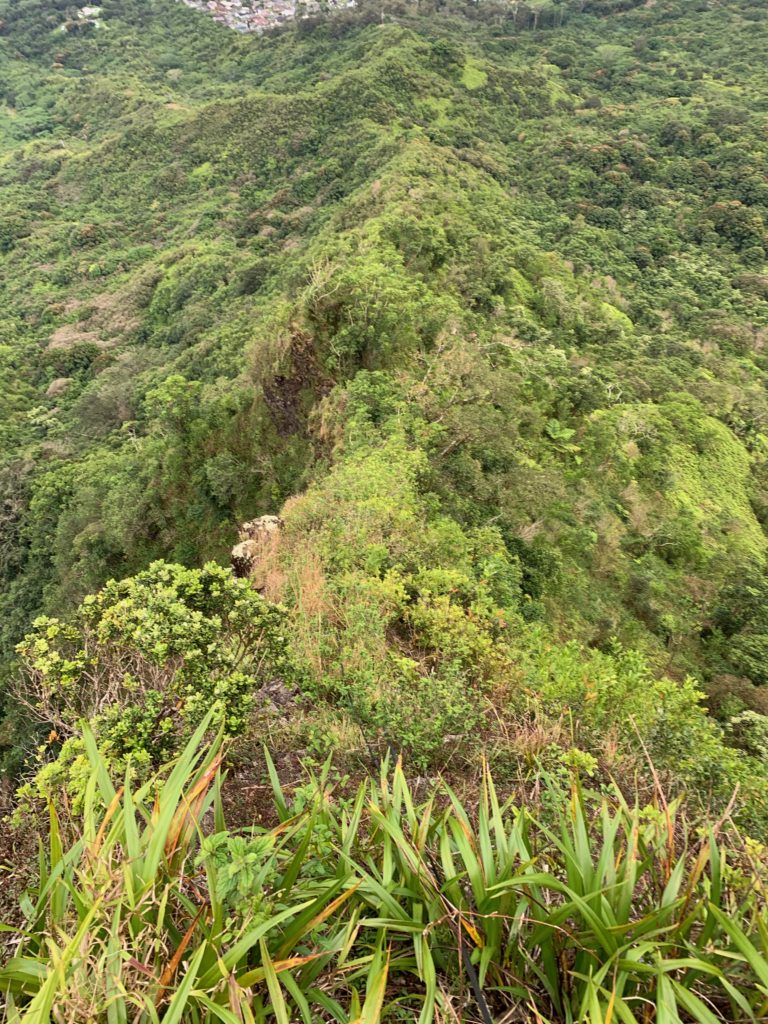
{"x":375,"y":906}
{"x":476,"y":300}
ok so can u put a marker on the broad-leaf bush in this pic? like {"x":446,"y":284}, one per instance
{"x":148,"y":657}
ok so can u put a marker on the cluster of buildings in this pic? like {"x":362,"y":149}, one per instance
{"x":258,"y":15}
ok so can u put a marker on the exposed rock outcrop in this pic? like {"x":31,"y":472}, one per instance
{"x":277,"y":692}
{"x":254,"y":539}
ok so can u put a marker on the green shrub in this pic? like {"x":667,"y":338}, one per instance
{"x":148,"y":657}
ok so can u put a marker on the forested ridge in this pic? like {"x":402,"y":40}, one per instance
{"x":472,"y":303}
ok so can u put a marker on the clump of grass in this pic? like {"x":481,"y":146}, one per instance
{"x":380,"y":907}
{"x":129,"y":923}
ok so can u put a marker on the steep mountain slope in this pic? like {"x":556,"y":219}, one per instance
{"x":456,"y":317}
{"x":486,"y":307}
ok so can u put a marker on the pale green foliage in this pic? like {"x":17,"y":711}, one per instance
{"x":244,"y":869}
{"x":392,"y":565}
{"x":148,"y":913}
{"x":616,"y":694}
{"x":147,"y":658}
